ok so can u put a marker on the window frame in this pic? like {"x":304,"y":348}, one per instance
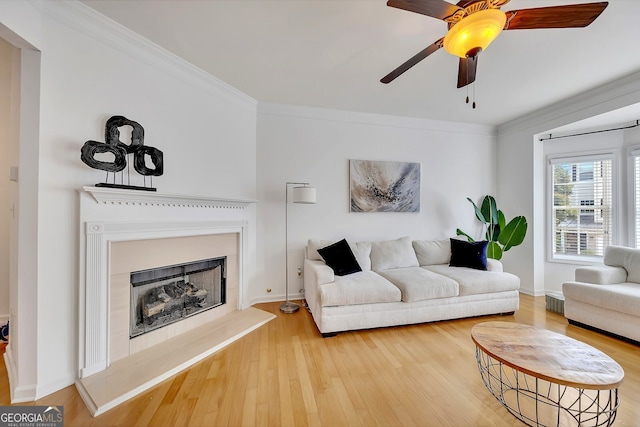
{"x":577,"y":157}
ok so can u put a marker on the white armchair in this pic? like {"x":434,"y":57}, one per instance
{"x":607,"y":297}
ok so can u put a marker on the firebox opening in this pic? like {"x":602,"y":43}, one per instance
{"x":165,"y":295}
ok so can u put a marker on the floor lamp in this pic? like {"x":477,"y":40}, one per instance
{"x":303,"y":194}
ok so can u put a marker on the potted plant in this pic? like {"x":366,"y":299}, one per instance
{"x":501,"y":235}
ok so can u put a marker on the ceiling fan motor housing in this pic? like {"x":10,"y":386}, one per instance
{"x":474,"y":32}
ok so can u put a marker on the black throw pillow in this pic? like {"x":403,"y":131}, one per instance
{"x":340,"y":258}
{"x":469,"y":254}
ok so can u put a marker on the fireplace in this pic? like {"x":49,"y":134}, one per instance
{"x":126,"y":232}
{"x":165,"y":295}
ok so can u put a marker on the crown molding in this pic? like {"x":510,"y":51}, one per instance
{"x":114,"y":196}
{"x":317,"y":113}
{"x":88,"y":21}
{"x":610,"y":96}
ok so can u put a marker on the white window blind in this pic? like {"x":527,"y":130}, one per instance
{"x":636,"y":191}
{"x":582,"y":208}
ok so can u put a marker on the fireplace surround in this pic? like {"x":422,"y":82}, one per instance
{"x":112,"y":217}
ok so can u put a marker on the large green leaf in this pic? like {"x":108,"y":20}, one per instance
{"x":462,"y":233}
{"x":497,"y":228}
{"x":489,"y":210}
{"x":513,"y":233}
{"x":478,"y":211}
{"x":493,"y":231}
{"x":494,"y":251}
{"x":502,"y":222}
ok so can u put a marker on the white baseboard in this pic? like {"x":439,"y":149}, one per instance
{"x":531,"y":292}
{"x":57,"y":385}
{"x":18,"y":394}
{"x":275,"y":298}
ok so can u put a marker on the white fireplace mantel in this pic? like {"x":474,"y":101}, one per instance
{"x":109,"y":215}
{"x":115,"y":196}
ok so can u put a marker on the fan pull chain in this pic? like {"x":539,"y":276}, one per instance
{"x":467,"y":71}
{"x":474,"y":95}
{"x":473,"y":92}
{"x":473,"y":104}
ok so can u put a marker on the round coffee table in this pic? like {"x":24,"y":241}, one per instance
{"x":547,"y":379}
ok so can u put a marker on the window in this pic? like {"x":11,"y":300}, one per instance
{"x":582,"y":211}
{"x":635,"y":156}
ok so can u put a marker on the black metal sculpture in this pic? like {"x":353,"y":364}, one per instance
{"x":120,"y":150}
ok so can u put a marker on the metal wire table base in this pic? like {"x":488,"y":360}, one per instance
{"x":538,"y":402}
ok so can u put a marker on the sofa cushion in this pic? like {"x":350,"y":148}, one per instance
{"x":430,"y":252}
{"x":365,"y":287}
{"x":418,"y":284}
{"x":397,"y":253}
{"x":361,"y":250}
{"x":340,"y":258}
{"x":629,"y":258}
{"x":472,"y":281}
{"x":469,"y":254}
{"x":620,"y":297}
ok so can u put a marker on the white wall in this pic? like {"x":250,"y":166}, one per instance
{"x":313,"y":145}
{"x":521,"y":172}
{"x":6,"y":67}
{"x":92,"y":69}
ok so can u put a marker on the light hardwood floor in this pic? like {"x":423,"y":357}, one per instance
{"x":285,"y":373}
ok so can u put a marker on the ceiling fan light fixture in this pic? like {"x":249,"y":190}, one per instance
{"x":474,"y":32}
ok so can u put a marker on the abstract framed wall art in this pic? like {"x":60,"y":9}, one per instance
{"x":380,"y":186}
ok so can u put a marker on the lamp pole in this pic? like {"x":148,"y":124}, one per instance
{"x":306,"y":194}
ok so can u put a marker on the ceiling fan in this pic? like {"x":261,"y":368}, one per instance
{"x":474,"y":24}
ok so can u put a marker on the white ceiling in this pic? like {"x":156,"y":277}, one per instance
{"x":332,"y":54}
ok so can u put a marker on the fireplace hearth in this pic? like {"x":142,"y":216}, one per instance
{"x":165,"y":295}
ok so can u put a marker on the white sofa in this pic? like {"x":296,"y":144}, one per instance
{"x":403,"y":282}
{"x":607,"y":297}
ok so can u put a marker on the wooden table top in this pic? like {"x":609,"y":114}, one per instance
{"x":547,"y":355}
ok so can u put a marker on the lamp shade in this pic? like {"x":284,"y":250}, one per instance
{"x":474,"y":31}
{"x":304,"y":195}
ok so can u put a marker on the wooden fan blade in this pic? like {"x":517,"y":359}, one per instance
{"x":439,"y":9}
{"x":567,"y":16}
{"x":465,"y":3}
{"x":467,"y":71}
{"x":412,"y":61}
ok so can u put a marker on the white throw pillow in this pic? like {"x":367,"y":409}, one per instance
{"x":312,"y":248}
{"x":432,"y":252}
{"x":362,"y":252}
{"x":397,"y":253}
